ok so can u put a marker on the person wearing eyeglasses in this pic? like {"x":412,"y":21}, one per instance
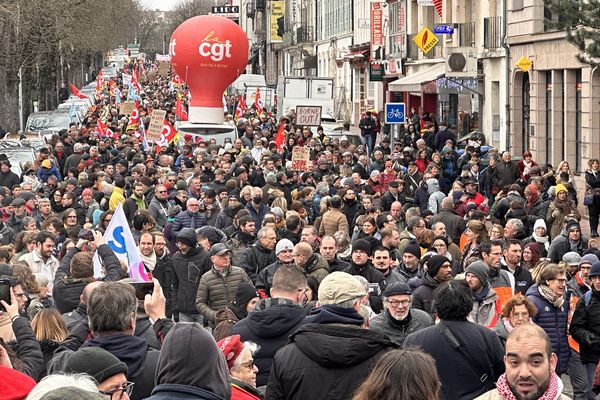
{"x":550,"y":298}
{"x":242,"y":371}
{"x":398,"y":319}
{"x":106,"y":369}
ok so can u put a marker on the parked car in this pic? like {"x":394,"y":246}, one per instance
{"x":17,"y":155}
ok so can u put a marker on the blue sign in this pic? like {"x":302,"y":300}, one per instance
{"x":443,"y":30}
{"x":395,"y":113}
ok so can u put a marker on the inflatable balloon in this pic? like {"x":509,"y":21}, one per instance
{"x":208,"y":52}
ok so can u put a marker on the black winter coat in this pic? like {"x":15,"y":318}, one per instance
{"x":459,"y":381}
{"x":269,"y":326}
{"x":585,"y":328}
{"x":256,"y":258}
{"x":187,"y":270}
{"x":423,"y":295}
{"x":324,"y":361}
{"x":67,"y":290}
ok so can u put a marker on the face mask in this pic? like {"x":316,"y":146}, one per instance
{"x":257,"y":199}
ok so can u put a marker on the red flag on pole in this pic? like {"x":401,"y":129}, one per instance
{"x":240,"y":108}
{"x":76,"y":92}
{"x":438,"y":6}
{"x":105,"y":131}
{"x":258,"y":103}
{"x":180,"y":111}
{"x":280,"y":136}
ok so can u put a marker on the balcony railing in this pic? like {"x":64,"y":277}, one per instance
{"x":466,"y":34}
{"x":492,"y":33}
{"x":305,"y":34}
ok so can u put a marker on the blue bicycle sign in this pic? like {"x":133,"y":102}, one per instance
{"x":395,"y":113}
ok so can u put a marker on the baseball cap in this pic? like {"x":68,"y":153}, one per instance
{"x":218,"y":249}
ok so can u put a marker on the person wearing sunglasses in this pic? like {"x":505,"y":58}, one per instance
{"x":242,"y":370}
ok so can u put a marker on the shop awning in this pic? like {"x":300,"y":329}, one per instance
{"x":413,"y":82}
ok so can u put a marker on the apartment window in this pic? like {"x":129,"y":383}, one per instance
{"x":578,"y":120}
{"x":548,"y":116}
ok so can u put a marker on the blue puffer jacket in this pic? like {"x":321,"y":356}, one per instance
{"x":186,"y":219}
{"x":553,"y":321}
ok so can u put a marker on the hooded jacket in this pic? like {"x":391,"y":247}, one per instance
{"x":423,"y":295}
{"x":435,"y":195}
{"x":269,"y":326}
{"x":327,"y":358}
{"x":187,"y":270}
{"x":181,"y":374}
{"x":317,"y":267}
{"x":136,"y":354}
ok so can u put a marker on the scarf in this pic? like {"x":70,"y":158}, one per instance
{"x":552,"y":391}
{"x":149,"y":261}
{"x":556,"y":300}
{"x":563,"y":205}
{"x":479,"y":297}
{"x":542,"y":240}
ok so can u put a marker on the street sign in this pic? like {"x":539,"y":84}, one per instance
{"x":524,"y":64}
{"x":395,"y":113}
{"x":225,"y":9}
{"x":425,"y":40}
{"x":443,"y":30}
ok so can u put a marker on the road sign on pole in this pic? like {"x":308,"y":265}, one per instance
{"x":395,"y":113}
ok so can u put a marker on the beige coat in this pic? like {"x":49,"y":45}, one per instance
{"x":494,"y":395}
{"x":333,"y":220}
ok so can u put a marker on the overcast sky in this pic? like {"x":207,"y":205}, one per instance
{"x":163,"y":5}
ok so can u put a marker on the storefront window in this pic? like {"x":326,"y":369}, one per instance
{"x":578,"y":120}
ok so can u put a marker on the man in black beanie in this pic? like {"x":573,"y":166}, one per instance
{"x":439,"y":271}
{"x":106,"y":369}
{"x":189,"y":264}
{"x":398,"y":319}
{"x":361,"y":265}
{"x":486,"y":304}
{"x":410,"y":267}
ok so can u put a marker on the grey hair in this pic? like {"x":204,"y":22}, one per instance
{"x":263,"y":232}
{"x":517,"y":224}
{"x":111,"y":307}
{"x":251,"y":347}
{"x":349,"y":303}
{"x":323,"y":188}
{"x":53,"y":382}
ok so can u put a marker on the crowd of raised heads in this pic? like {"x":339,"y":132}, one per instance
{"x":389,"y":264}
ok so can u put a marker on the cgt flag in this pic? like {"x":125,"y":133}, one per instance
{"x":280,"y":136}
{"x":118,"y":237}
{"x":76,"y":92}
{"x":258,"y":103}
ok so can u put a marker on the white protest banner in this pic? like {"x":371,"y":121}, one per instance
{"x":163,"y":57}
{"x":127,"y":79}
{"x":308,"y":115}
{"x":157,"y":120}
{"x":126,"y":107}
{"x":300,"y":158}
{"x":118,"y":237}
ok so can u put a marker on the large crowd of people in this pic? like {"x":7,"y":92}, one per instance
{"x":400,"y":268}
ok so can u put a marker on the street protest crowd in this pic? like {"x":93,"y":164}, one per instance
{"x":400,"y":268}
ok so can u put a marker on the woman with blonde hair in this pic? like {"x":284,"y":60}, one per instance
{"x":496,"y":232}
{"x":400,"y":375}
{"x":50,"y":331}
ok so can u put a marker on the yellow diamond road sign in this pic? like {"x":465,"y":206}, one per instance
{"x":425,"y":40}
{"x":524,"y":64}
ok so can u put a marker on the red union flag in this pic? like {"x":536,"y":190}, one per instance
{"x":438,"y":6}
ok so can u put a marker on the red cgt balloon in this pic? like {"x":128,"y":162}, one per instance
{"x":208,"y":52}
